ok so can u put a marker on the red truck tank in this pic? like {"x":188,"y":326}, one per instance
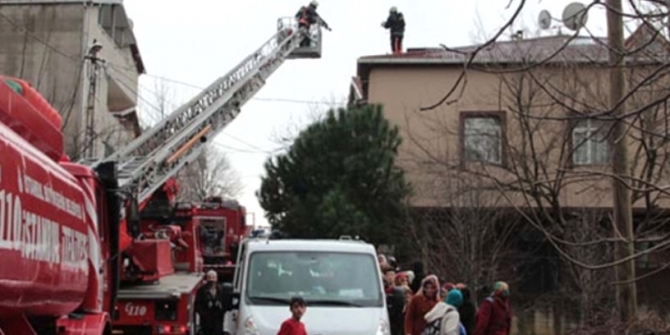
{"x":38,"y":124}
{"x":38,"y":102}
{"x":43,"y":233}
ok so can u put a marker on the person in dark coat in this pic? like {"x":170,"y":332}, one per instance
{"x":494,"y":316}
{"x":210,"y":305}
{"x":419,"y":275}
{"x":468,"y":309}
{"x":392,"y":262}
{"x":396,"y":23}
{"x":306,"y":17}
{"x":395,"y":301}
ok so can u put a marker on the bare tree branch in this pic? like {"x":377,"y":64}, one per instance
{"x":209,"y":175}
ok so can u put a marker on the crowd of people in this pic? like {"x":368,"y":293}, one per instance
{"x":418,"y":305}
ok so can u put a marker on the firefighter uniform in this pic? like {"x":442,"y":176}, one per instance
{"x":396,"y":23}
{"x":306,"y":17}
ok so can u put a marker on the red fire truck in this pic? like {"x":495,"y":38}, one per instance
{"x":222,"y":225}
{"x":89,"y":247}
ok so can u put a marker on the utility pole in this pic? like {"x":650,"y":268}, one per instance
{"x":93,"y":67}
{"x":626,"y":292}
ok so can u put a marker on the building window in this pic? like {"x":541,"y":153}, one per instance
{"x":589,"y":143}
{"x":483,"y":138}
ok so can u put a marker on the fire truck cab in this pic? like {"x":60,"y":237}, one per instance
{"x":221,"y":227}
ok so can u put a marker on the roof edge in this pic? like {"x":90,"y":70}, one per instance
{"x":134,"y":47}
{"x":451,"y":61}
{"x":60,"y":2}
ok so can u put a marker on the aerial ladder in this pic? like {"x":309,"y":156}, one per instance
{"x":149,"y":161}
{"x":68,"y":227}
{"x":148,"y":165}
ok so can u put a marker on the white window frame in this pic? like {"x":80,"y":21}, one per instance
{"x":483,"y":152}
{"x":591,"y":145}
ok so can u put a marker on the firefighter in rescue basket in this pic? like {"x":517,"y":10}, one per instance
{"x":306,"y":17}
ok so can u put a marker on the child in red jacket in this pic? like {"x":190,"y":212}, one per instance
{"x":292,"y":325}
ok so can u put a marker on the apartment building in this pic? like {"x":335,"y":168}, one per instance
{"x":523,"y":116}
{"x":63,"y":47}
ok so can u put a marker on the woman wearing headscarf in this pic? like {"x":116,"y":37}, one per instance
{"x":494,"y":316}
{"x":408,"y":297}
{"x":447,"y":313}
{"x":383,"y":262}
{"x":401,"y":279}
{"x":446,"y":288}
{"x":410,"y":278}
{"x":422,"y":302}
{"x":468,"y":309}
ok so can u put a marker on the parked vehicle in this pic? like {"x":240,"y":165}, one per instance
{"x":339,"y":279}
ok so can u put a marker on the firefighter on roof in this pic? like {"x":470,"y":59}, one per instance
{"x":307,"y":16}
{"x":396,"y":23}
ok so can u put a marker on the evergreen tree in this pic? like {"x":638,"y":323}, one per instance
{"x":339,"y":178}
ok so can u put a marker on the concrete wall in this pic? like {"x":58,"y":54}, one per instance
{"x":57,"y":70}
{"x":117,"y":87}
{"x":431,"y":151}
{"x":54,"y":71}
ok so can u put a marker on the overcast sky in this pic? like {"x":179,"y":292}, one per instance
{"x":194,"y":42}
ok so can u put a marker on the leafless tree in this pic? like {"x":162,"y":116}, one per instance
{"x":463,"y":237}
{"x":592,"y":287}
{"x":209,"y":175}
{"x":315,"y":111}
{"x":155,"y":105}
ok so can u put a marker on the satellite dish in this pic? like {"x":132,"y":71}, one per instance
{"x":575,"y":16}
{"x":544,"y":20}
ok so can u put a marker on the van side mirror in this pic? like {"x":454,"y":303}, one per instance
{"x":235,"y":300}
{"x":231,"y":300}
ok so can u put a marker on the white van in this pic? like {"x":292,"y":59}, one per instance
{"x":339,"y":279}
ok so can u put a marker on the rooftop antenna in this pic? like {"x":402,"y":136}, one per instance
{"x":544,"y":20}
{"x":575,"y":16}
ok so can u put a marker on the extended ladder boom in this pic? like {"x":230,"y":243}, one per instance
{"x":160,"y":152}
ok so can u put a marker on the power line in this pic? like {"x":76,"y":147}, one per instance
{"x":75,"y":59}
{"x":183,"y":83}
{"x":46,"y":44}
{"x":115,"y":68}
{"x":244,"y":142}
{"x":238,"y":150}
{"x":259,"y":150}
{"x":314,"y":102}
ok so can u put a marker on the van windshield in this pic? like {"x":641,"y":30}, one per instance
{"x":321,"y":278}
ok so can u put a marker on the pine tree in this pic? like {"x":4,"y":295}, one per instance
{"x":339,"y":178}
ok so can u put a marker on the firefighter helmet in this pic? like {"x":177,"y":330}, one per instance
{"x":394,"y":9}
{"x":314,"y":4}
